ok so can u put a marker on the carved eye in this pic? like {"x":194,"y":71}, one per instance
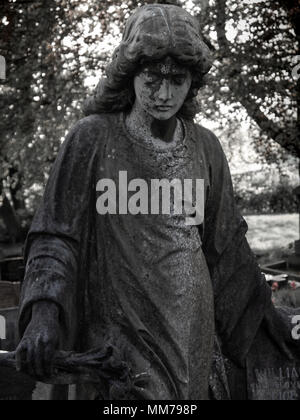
{"x":151,"y":78}
{"x":178,"y":80}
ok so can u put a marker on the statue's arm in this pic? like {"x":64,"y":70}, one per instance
{"x":241,"y":293}
{"x":40,"y":341}
{"x":53,"y":250}
{"x":245,"y":314}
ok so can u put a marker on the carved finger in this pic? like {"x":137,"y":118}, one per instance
{"x":21,"y":356}
{"x":48,"y":360}
{"x":39,"y":359}
{"x":30,"y":359}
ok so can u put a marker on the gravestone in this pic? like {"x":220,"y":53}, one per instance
{"x":272,"y":376}
{"x":10,"y":342}
{"x":277,"y":383}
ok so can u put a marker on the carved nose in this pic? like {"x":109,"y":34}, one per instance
{"x":165,"y":93}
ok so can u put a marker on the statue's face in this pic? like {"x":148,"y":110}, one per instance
{"x":161,"y":88}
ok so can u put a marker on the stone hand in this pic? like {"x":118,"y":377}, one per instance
{"x":36,"y":350}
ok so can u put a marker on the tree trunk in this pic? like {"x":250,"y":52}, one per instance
{"x":10,"y":220}
{"x":16,"y":189}
{"x":289,"y":139}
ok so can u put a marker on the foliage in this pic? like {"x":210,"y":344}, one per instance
{"x":55,"y":48}
{"x":256,"y":44}
{"x":265,"y":196}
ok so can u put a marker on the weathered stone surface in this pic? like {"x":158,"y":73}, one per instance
{"x":149,"y":285}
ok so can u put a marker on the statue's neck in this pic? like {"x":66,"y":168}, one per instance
{"x":143,"y":125}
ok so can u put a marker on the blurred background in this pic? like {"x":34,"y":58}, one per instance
{"x":56,"y":51}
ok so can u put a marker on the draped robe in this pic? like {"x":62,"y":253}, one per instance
{"x":116,"y":278}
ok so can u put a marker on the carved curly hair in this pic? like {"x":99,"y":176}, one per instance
{"x":152,"y":33}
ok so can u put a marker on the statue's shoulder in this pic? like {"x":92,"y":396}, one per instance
{"x":96,"y":122}
{"x":206,"y":139}
{"x":92,"y":130}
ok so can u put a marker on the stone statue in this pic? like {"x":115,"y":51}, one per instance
{"x":168,"y":296}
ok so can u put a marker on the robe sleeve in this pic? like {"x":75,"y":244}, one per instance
{"x":241,"y":292}
{"x":55,"y":244}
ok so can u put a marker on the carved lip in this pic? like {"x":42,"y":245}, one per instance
{"x":164,"y":107}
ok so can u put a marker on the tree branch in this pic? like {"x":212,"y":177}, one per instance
{"x":289,"y":138}
{"x":286,"y":138}
{"x":221,"y":26}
